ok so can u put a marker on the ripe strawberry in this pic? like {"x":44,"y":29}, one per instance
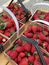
{"x":31,"y":59}
{"x":36,"y":57}
{"x":19,"y":42}
{"x":16,"y":60}
{"x":37,"y":63}
{"x":13,"y":54}
{"x":19,"y":59}
{"x":19,"y":12}
{"x":48,"y":48}
{"x":35,"y":36}
{"x":46,"y":60}
{"x":22,"y":54}
{"x":9,"y":52}
{"x":33,"y":49}
{"x":24,"y":62}
{"x":45,"y":44}
{"x":25,"y":33}
{"x":1,"y":31}
{"x":22,"y":16}
{"x":29,"y":35}
{"x":9,"y":25}
{"x":39,"y":28}
{"x":27,"y":47}
{"x":19,"y":49}
{"x":42,"y":36}
{"x":47,"y":39}
{"x":36,"y":16}
{"x":34,"y":29}
{"x":29,"y":29}
{"x":47,"y":18}
{"x":7,"y":34}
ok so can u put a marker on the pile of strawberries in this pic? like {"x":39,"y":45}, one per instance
{"x":2,"y":40}
{"x":39,"y":15}
{"x":17,"y":11}
{"x":7,"y":26}
{"x":24,"y":53}
{"x":40,"y":33}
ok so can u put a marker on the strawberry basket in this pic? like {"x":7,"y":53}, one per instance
{"x":22,"y":52}
{"x":18,"y":11}
{"x":9,"y":27}
{"x":40,"y":11}
{"x":39,"y":31}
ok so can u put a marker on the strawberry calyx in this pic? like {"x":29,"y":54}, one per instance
{"x":41,"y":17}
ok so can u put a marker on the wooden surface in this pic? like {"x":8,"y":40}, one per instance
{"x":3,"y":59}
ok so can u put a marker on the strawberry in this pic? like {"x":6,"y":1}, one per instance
{"x":16,"y":60}
{"x":9,"y":52}
{"x":25,"y":33}
{"x":29,"y":35}
{"x":36,"y":16}
{"x":42,"y":36}
{"x":29,"y":28}
{"x":19,"y":59}
{"x":22,"y":54}
{"x":1,"y":31}
{"x":33,"y":49}
{"x":31,"y":59}
{"x":7,"y":34}
{"x":46,"y":60}
{"x":19,"y":49}
{"x":34,"y":29}
{"x":9,"y":25}
{"x":37,"y":63}
{"x":48,"y":48}
{"x":39,"y":28}
{"x":27,"y":47}
{"x":22,"y":16}
{"x":13,"y":54}
{"x":36,"y":57}
{"x":47,"y":18}
{"x":19,"y":42}
{"x":35,"y":36}
{"x":45,"y":33}
{"x":24,"y":62}
{"x":47,"y":39}
{"x":45,"y":44}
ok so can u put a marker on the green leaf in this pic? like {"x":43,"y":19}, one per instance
{"x":2,"y":25}
{"x":41,"y":17}
{"x":12,"y":32}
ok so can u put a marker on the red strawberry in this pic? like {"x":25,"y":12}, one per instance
{"x":34,"y":29}
{"x":19,"y":12}
{"x":31,"y":59}
{"x":47,"y":18}
{"x":35,"y":36}
{"x":29,"y":35}
{"x":46,"y":60}
{"x":24,"y":62}
{"x":19,"y":49}
{"x":45,"y":44}
{"x":16,"y":60}
{"x":42,"y":36}
{"x":9,"y":25}
{"x":19,"y":42}
{"x":29,"y":29}
{"x":39,"y":28}
{"x":13,"y":54}
{"x":36,"y":16}
{"x":9,"y":52}
{"x":47,"y":39}
{"x":22,"y":16}
{"x":22,"y":54}
{"x":37,"y":63}
{"x":33,"y":49}
{"x":1,"y":31}
{"x":36,"y":57}
{"x":7,"y":34}
{"x":27,"y":47}
{"x":19,"y":59}
{"x":48,"y":48}
{"x":25,"y":33}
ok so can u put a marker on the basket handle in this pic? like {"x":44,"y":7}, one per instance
{"x":13,"y":16}
{"x":41,"y":21}
{"x":36,"y":6}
